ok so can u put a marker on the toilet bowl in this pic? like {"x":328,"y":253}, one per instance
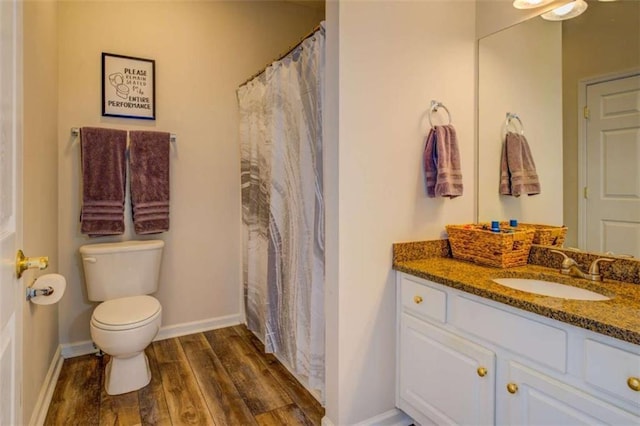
{"x":123,"y":328}
{"x":121,"y":276}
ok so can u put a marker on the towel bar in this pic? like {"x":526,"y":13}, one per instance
{"x":75,"y":132}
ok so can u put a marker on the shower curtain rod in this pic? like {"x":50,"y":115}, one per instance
{"x":283,"y":55}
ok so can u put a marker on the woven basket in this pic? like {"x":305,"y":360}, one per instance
{"x":546,"y":235}
{"x":476,"y":243}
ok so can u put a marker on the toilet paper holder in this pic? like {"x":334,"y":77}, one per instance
{"x":47,"y":289}
{"x":33,"y":292}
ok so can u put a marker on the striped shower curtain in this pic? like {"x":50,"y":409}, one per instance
{"x":283,"y":208}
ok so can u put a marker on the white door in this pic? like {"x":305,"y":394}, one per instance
{"x":535,"y":399}
{"x":10,"y":210}
{"x":613,"y":166}
{"x":448,"y":379}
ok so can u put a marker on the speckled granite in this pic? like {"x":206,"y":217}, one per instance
{"x":420,"y":250}
{"x":618,"y":317}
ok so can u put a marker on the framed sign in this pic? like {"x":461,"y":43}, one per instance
{"x":128,"y":87}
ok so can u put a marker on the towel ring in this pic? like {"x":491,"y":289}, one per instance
{"x":510,"y":118}
{"x":435,"y":105}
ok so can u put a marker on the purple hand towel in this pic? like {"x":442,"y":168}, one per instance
{"x":430,"y":168}
{"x":149,"y":167}
{"x":103,"y":181}
{"x":442,"y":163}
{"x":517,"y":169}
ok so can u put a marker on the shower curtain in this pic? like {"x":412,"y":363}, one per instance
{"x":283,"y":208}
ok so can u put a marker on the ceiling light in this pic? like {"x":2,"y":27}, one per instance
{"x":567,"y":11}
{"x":529,"y":4}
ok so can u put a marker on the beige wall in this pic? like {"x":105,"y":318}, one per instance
{"x":520,"y":71}
{"x":603,"y":40}
{"x":203,"y":51}
{"x":394,"y":58}
{"x":40,"y":323}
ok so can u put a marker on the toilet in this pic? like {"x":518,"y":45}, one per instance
{"x":122,"y":276}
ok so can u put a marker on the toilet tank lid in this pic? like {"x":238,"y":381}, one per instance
{"x":123,"y":246}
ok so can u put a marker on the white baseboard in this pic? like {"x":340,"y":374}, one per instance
{"x":326,"y":422}
{"x":41,"y":408}
{"x":183,"y":329}
{"x":393,"y":417}
{"x":70,"y":350}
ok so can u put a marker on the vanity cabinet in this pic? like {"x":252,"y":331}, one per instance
{"x":533,"y":398}
{"x":446,"y":378}
{"x":463,"y":359}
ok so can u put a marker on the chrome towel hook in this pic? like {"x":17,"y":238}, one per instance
{"x":435,"y":105}
{"x":511,"y":117}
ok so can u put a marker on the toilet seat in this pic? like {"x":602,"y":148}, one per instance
{"x":126,"y":313}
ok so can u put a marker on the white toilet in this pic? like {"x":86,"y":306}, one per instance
{"x":121,"y":276}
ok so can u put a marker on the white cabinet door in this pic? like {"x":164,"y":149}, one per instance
{"x":540,"y":400}
{"x":440,"y":376}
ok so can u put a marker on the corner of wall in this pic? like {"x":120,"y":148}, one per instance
{"x":40,"y":188}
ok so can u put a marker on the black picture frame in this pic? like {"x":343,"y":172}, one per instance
{"x":128,"y":87}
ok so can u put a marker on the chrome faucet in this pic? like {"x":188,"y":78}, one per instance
{"x":570,"y":267}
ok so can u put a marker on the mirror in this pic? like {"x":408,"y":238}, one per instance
{"x":541,"y":71}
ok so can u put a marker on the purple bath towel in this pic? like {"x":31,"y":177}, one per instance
{"x":517,"y":169}
{"x":441,"y":161}
{"x":103,"y":181}
{"x":149,"y":167}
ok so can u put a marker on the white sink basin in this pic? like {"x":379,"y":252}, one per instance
{"x":546,"y":288}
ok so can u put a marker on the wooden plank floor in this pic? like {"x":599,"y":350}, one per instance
{"x":220,"y":377}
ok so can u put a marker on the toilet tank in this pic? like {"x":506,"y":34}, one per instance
{"x":128,"y":268}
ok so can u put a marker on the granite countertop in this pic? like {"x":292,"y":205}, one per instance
{"x":618,"y":317}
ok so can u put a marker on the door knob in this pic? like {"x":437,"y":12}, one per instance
{"x":512,"y":388}
{"x":482,"y":371}
{"x":23,"y":263}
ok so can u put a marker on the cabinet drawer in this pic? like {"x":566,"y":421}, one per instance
{"x":612,"y":370}
{"x":423,"y":300}
{"x":532,"y":339}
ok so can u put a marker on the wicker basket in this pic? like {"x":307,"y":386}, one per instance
{"x":478,"y":244}
{"x":546,"y":235}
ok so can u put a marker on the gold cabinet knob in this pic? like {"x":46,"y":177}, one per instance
{"x":634,"y":383}
{"x":417,"y":299}
{"x":482,"y":371}
{"x":512,"y":387}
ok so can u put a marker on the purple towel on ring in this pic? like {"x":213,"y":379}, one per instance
{"x":517,"y":169}
{"x":441,"y":163}
{"x":103,"y":181}
{"x":149,"y":167}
